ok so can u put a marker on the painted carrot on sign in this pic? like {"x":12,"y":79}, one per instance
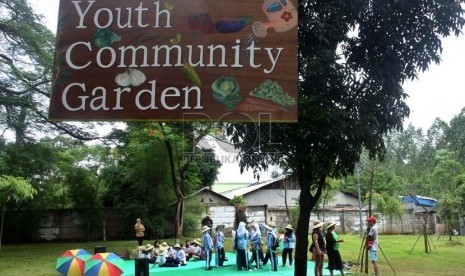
{"x":254,"y":104}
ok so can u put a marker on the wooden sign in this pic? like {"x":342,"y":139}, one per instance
{"x":176,"y":60}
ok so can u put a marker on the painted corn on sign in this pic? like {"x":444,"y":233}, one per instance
{"x":174,"y":60}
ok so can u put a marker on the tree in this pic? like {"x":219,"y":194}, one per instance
{"x":171,"y":156}
{"x":137,"y":180}
{"x":181,"y":142}
{"x":13,"y":189}
{"x":350,"y":90}
{"x":455,"y":136}
{"x":447,"y":179}
{"x":387,"y":204}
{"x":26,"y":67}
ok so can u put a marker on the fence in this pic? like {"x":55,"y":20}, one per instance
{"x":66,"y":225}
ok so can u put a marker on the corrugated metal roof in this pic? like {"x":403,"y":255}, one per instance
{"x":250,"y":188}
{"x":224,"y":187}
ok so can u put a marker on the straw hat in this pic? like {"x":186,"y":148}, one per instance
{"x":161,"y":251}
{"x":164,"y":245}
{"x":289,"y":227}
{"x":317,"y":224}
{"x":197,"y":241}
{"x":148,"y":247}
{"x":205,"y":228}
{"x":331,"y":224}
{"x":209,"y":214}
{"x":371,"y":219}
{"x":177,"y":246}
{"x":270,"y":225}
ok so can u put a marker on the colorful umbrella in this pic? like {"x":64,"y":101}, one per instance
{"x":104,"y":264}
{"x":71,"y":262}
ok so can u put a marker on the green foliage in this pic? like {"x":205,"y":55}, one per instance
{"x":207,"y":167}
{"x":350,"y":100}
{"x":275,"y":174}
{"x":15,"y":188}
{"x":238,"y":201}
{"x":455,"y":136}
{"x":449,"y":207}
{"x":192,"y":217}
{"x":137,"y":182}
{"x":85,"y":199}
{"x":387,"y":204}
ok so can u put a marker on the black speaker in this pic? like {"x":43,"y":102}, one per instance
{"x":142,"y":267}
{"x":100,"y":249}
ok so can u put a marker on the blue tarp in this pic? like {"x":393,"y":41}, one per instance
{"x":420,"y":200}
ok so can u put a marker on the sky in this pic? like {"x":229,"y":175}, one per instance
{"x":438,"y":92}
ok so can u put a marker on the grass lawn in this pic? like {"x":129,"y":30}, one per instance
{"x":447,"y":258}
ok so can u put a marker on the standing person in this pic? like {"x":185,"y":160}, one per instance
{"x":256,"y":241}
{"x":289,"y":243}
{"x":219,"y":246}
{"x":207,"y":221}
{"x":372,"y":242}
{"x":241,"y":240}
{"x":332,"y":249}
{"x":318,"y":247}
{"x":271,"y":241}
{"x":140,"y":229}
{"x":208,"y":246}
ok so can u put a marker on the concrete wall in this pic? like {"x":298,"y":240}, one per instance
{"x":61,"y":225}
{"x":349,"y":222}
{"x":225,"y":215}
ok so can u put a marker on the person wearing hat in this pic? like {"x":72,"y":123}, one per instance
{"x":332,"y":249}
{"x":164,"y":245}
{"x":195,"y":249}
{"x":169,"y":256}
{"x":180,"y":255}
{"x":318,"y":247}
{"x":219,"y":246}
{"x":289,"y":243}
{"x":161,"y":258}
{"x":207,"y":246}
{"x":207,"y":221}
{"x":271,"y":246}
{"x":140,"y":229}
{"x":372,"y":242}
{"x":149,"y":253}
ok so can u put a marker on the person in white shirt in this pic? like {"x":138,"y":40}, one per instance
{"x":180,"y":255}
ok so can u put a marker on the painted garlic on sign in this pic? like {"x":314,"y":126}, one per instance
{"x":132,"y":77}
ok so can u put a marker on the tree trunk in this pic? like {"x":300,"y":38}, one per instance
{"x":289,"y":217}
{"x":307,"y":202}
{"x":179,"y":218}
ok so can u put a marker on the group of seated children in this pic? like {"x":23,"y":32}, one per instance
{"x":170,"y":256}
